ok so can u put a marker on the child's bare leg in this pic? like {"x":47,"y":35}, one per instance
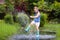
{"x":37,"y":31}
{"x":27,"y":29}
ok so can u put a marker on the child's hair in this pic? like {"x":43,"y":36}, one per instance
{"x":36,"y":6}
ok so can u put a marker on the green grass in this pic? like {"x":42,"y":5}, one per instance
{"x":53,"y":27}
{"x":10,"y":29}
{"x":7,"y":30}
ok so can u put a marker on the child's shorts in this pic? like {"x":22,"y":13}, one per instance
{"x":36,"y":23}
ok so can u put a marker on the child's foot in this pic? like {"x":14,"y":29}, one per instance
{"x":37,"y":37}
{"x":25,"y":30}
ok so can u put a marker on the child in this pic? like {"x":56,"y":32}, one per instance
{"x":36,"y":21}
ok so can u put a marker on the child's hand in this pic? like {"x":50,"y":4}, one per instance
{"x":31,"y":16}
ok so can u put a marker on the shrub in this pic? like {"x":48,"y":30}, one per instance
{"x":2,"y":8}
{"x":43,"y":19}
{"x":9,"y":5}
{"x":23,"y":19}
{"x":9,"y":18}
{"x":55,"y":6}
{"x":10,"y":8}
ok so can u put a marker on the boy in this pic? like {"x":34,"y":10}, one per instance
{"x":36,"y":21}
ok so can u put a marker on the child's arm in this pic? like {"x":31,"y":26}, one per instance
{"x":38,"y":14}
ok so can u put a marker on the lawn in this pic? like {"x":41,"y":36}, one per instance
{"x":7,"y":30}
{"x":10,"y":29}
{"x":53,"y":27}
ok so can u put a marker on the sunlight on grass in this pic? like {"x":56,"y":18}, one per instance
{"x":7,"y":30}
